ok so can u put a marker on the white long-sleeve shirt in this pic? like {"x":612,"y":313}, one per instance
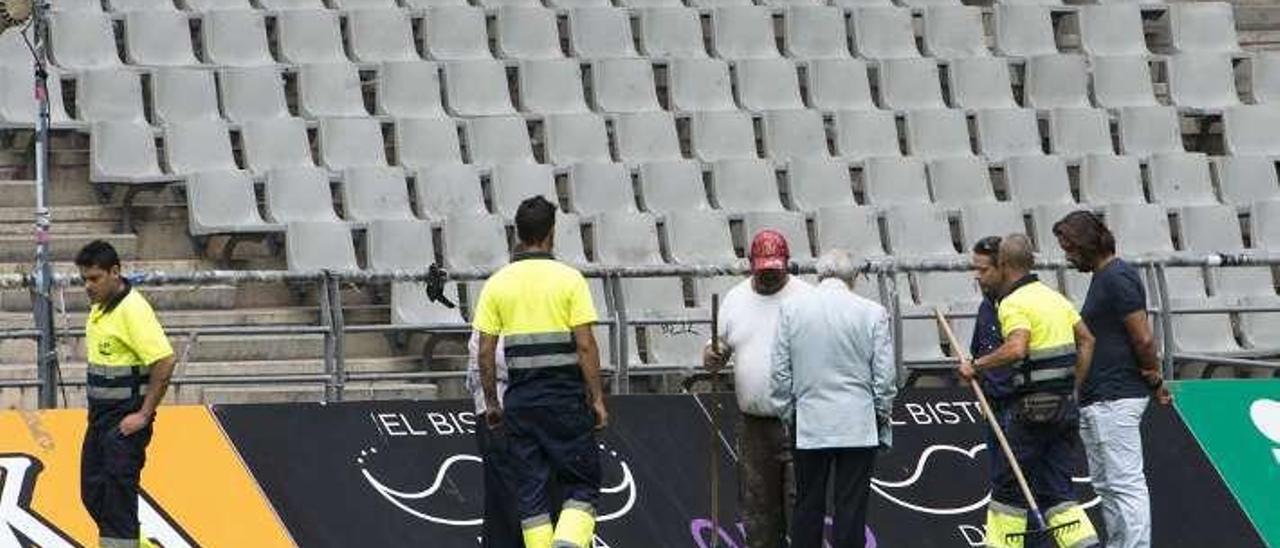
{"x":473,"y":372}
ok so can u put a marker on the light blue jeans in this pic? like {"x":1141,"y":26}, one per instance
{"x":1113,"y":444}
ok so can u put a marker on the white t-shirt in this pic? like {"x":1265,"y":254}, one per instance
{"x":748,"y":325}
{"x":473,"y":371}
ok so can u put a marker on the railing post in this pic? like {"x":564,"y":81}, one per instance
{"x":622,"y":382}
{"x":330,"y":340}
{"x":338,"y":325}
{"x":1166,"y":320}
{"x":888,"y":283}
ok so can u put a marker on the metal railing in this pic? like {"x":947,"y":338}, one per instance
{"x":333,"y":327}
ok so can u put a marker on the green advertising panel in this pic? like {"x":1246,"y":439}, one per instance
{"x":1237,"y":422}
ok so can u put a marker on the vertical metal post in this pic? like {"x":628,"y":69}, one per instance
{"x":889,"y":296}
{"x":338,"y":325}
{"x":1166,"y":320}
{"x":330,"y":340}
{"x":42,"y":303}
{"x":622,"y":384}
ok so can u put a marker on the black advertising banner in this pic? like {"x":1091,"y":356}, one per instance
{"x":408,"y":474}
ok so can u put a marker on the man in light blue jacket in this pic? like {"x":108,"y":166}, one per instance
{"x":833,"y":379}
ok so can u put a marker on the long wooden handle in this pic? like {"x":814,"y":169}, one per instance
{"x":991,"y":418}
{"x":715,"y":428}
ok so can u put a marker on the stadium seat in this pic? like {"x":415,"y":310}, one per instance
{"x":624,"y":86}
{"x":309,"y":36}
{"x":424,"y":5}
{"x":958,"y":181}
{"x":409,"y":89}
{"x":910,"y":84}
{"x":1112,"y":29}
{"x":252,"y":93}
{"x":890,"y":182}
{"x":351,"y":142}
{"x":700,"y":85}
{"x":598,"y":187}
{"x":455,"y":33}
{"x":1024,"y":31}
{"x":1202,"y":27}
{"x":954,"y":32}
{"x":331,"y":90}
{"x":1264,"y":218}
{"x":673,"y":32}
{"x":312,"y":246}
{"x":1057,"y":81}
{"x":223,"y":202}
{"x":109,"y":95}
{"x":1243,"y":180}
{"x":699,"y":237}
{"x":82,"y":40}
{"x":381,"y":35}
{"x":938,"y":133}
{"x":511,"y":184}
{"x":421,"y":142}
{"x":275,"y":143}
{"x":1043,"y":217}
{"x":600,"y":33}
{"x":814,"y":183}
{"x":981,"y":83}
{"x":790,"y":224}
{"x":499,"y":139}
{"x":299,"y":194}
{"x":767,"y":84}
{"x":235,"y":38}
{"x":474,"y":241}
{"x":525,"y":33}
{"x":1145,"y":131}
{"x":1179,"y":180}
{"x":448,"y":190}
{"x":838,"y":84}
{"x":552,"y":86}
{"x":884,"y":33}
{"x":123,"y":152}
{"x":499,"y":4}
{"x":75,"y":5}
{"x":742,"y":32}
{"x":792,"y":134}
{"x":1122,"y":81}
{"x":572,"y":138}
{"x":1108,"y":180}
{"x":1078,"y":132}
{"x":981,"y":219}
{"x":477,"y":88}
{"x":1264,"y":77}
{"x":862,"y":134}
{"x":722,"y":135}
{"x":375,"y":194}
{"x":18,"y":105}
{"x":921,"y":230}
{"x":570,"y":249}
{"x":851,"y":228}
{"x":1249,"y":130}
{"x":672,"y":186}
{"x":407,"y":245}
{"x":1202,"y":81}
{"x":1004,"y":133}
{"x":183,"y":95}
{"x":646,"y":137}
{"x":743,"y":185}
{"x":359,"y":5}
{"x":191,"y":147}
{"x":1037,"y":180}
{"x":158,"y":38}
{"x":815,"y":32}
{"x":286,"y":5}
{"x":862,"y":3}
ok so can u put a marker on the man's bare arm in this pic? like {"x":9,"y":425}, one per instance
{"x":488,"y":362}
{"x":1085,"y":343}
{"x":1012,"y":351}
{"x":161,"y":373}
{"x":589,"y":361}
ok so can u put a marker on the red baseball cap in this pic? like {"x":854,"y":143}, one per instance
{"x":769,"y":251}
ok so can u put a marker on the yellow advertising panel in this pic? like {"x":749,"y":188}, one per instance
{"x":196,"y":491}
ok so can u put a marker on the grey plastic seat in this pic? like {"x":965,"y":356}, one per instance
{"x":1264,"y":219}
{"x":123,"y":152}
{"x":375,"y":193}
{"x":1216,"y":229}
{"x":699,"y":237}
{"x":715,"y":4}
{"x":511,"y":184}
{"x":922,"y":230}
{"x":191,"y":147}
{"x":455,"y":33}
{"x":477,"y":88}
{"x":646,"y":137}
{"x":223,"y":202}
{"x":862,"y":3}
{"x":1150,"y":130}
{"x":1243,"y":180}
{"x":650,"y":4}
{"x":575,"y":4}
{"x":938,"y":133}
{"x":1203,"y":81}
{"x":309,"y":36}
{"x":381,"y":35}
{"x":624,"y":86}
{"x":448,"y":190}
{"x":862,"y":134}
{"x":954,"y":32}
{"x":474,"y":241}
{"x":81,"y":40}
{"x":745,"y":185}
{"x":18,"y":105}
{"x":815,"y":32}
{"x":598,"y":187}
{"x":722,"y":135}
{"x":524,"y":33}
{"x":499,"y":4}
{"x":1249,"y":130}
{"x":108,"y":95}
{"x":1108,"y":180}
{"x":600,"y":33}
{"x":235,"y":38}
{"x":1179,"y":180}
{"x":1024,"y":31}
{"x":422,"y":142}
{"x":1037,"y":180}
{"x":1057,"y":81}
{"x":358,"y":5}
{"x":742,"y":32}
{"x":1112,"y":29}
{"x":351,"y":142}
{"x":129,"y":6}
{"x":793,"y":134}
{"x":1203,"y":27}
{"x":700,"y":85}
{"x":884,"y":33}
{"x":672,"y":186}
{"x":1264,"y":77}
{"x":407,"y":245}
{"x":1004,"y":133}
{"x":570,"y":249}
{"x":551,"y":86}
{"x":1077,"y":132}
{"x":981,"y":83}
{"x":1122,"y":82}
{"x":275,"y":143}
{"x":767,"y":84}
{"x":1043,"y":217}
{"x":814,"y":183}
{"x":979,"y":220}
{"x":312,"y":246}
{"x":75,"y":5}
{"x":852,"y":228}
{"x":500,"y":139}
{"x":330,"y":90}
{"x":183,"y":95}
{"x":671,"y":33}
{"x":632,"y":239}
{"x":158,"y":38}
{"x":910,"y":84}
{"x":573,"y":138}
{"x":895,"y":181}
{"x":838,"y":84}
{"x":299,"y":194}
{"x":285,"y":5}
{"x":957,"y":181}
{"x":252,"y":93}
{"x":409,"y":89}
{"x":790,"y":224}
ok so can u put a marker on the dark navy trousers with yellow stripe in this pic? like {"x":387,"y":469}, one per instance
{"x":552,"y":439}
{"x":111,"y":469}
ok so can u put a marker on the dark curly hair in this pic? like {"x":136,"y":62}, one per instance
{"x":1087,"y":234}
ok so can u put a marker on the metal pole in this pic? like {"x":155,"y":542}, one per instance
{"x":889,"y":296}
{"x":338,"y":325}
{"x":42,"y":305}
{"x":622,"y":384}
{"x":1166,"y":321}
{"x":330,"y":340}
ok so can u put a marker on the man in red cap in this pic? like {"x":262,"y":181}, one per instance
{"x":748,"y":325}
